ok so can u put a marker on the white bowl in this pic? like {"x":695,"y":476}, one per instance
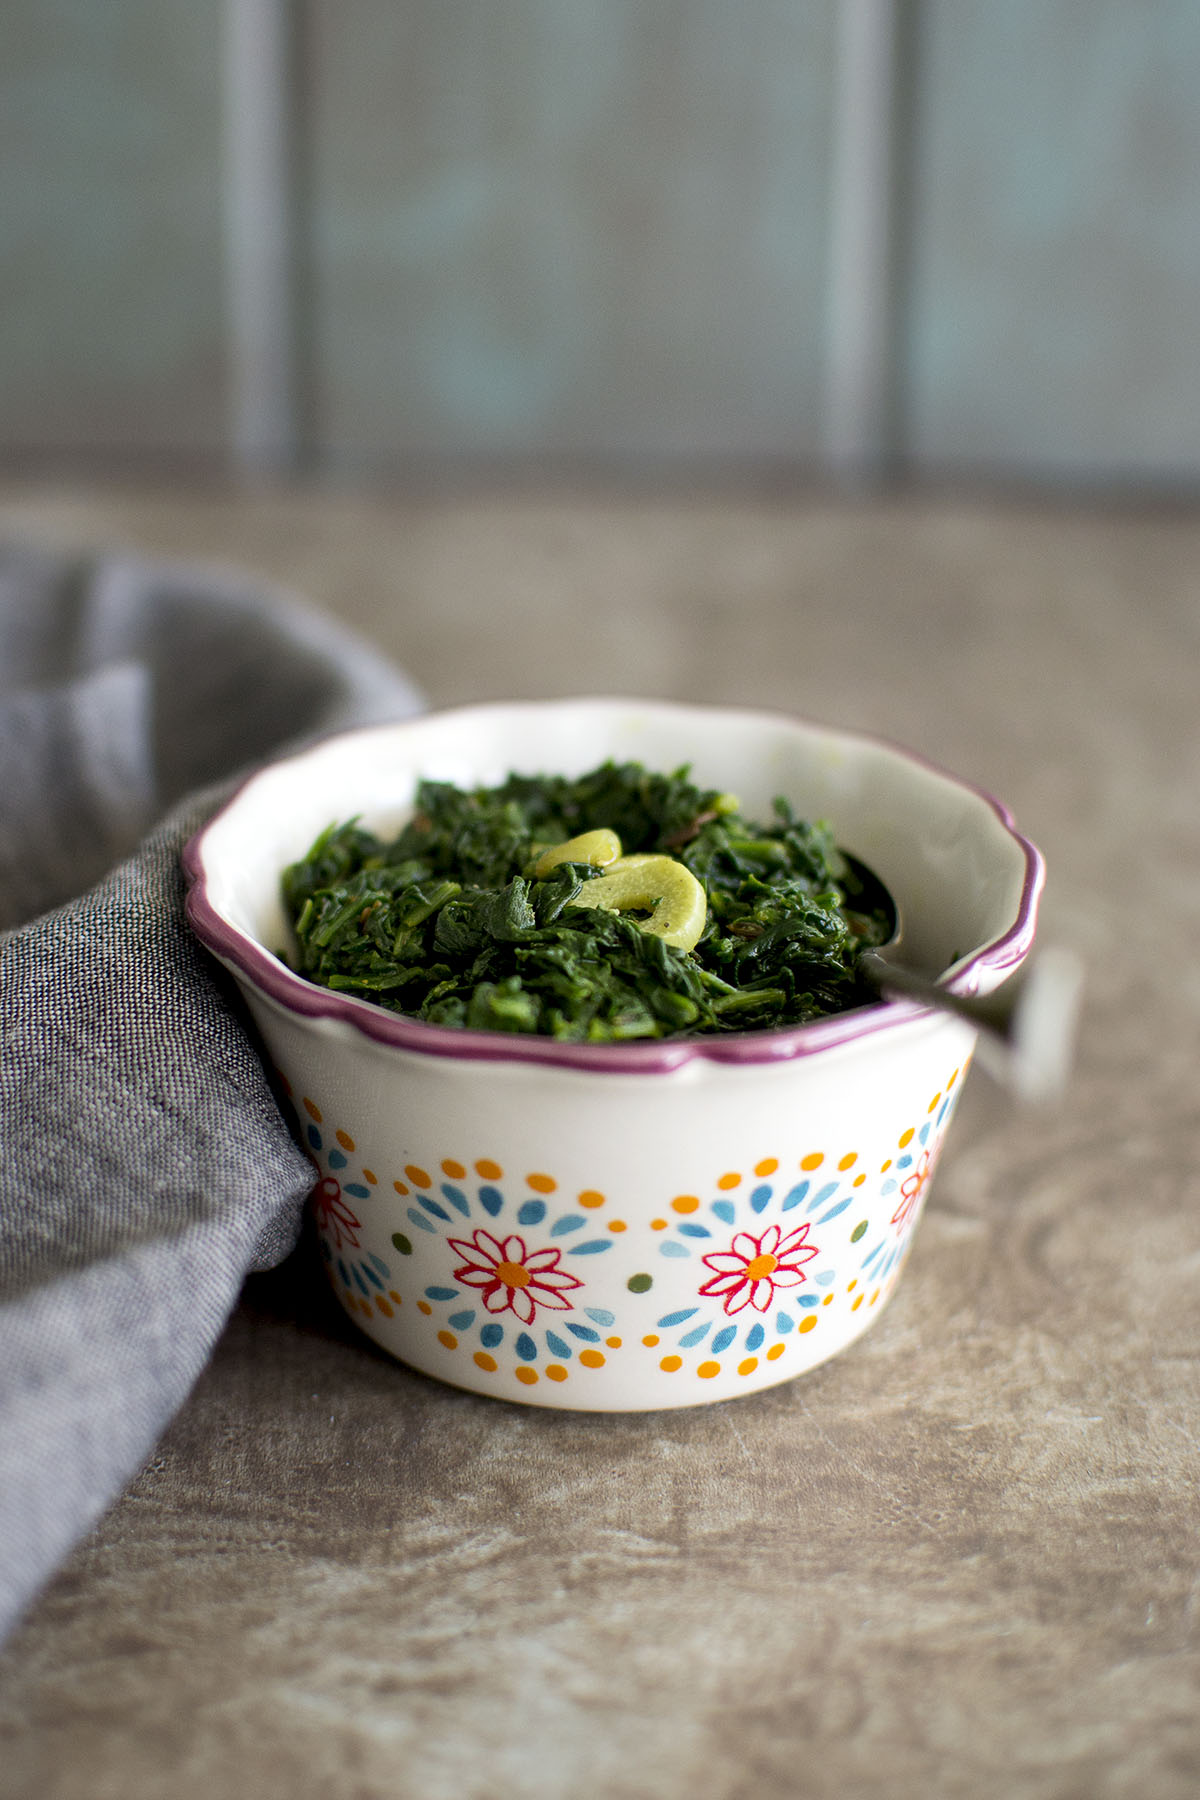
{"x":621,"y":1227}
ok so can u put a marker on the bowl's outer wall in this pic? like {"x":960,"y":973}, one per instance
{"x":622,"y":1186}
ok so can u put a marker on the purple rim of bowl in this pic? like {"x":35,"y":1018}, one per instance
{"x":272,"y":978}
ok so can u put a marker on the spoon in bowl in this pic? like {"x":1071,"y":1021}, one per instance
{"x":1027,"y":1026}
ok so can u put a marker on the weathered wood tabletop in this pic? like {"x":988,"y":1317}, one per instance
{"x":961,"y":1559}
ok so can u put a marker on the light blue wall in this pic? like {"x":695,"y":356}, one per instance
{"x":111,"y":329}
{"x":1053,"y":313}
{"x":594,"y":227}
{"x":562,"y":229}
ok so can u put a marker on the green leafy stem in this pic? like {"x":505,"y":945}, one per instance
{"x":446,"y":922}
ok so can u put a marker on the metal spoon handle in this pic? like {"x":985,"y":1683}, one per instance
{"x":1027,"y":1026}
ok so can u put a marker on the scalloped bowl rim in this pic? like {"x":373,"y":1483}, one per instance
{"x":271,"y":977}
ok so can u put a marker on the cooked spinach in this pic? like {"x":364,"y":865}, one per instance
{"x":447,"y":923}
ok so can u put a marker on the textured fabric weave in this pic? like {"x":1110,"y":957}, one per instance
{"x":146,"y":1169}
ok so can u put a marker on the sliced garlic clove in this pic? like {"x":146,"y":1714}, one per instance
{"x":658,"y":885}
{"x":598,"y":848}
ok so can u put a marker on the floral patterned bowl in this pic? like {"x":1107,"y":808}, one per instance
{"x":621,"y":1227}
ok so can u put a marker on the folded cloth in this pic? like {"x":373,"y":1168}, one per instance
{"x":146,"y":1167}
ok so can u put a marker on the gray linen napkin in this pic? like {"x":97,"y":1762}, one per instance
{"x":145,"y":1169}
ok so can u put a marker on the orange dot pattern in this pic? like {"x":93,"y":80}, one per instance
{"x":707,"y":1368}
{"x":728,"y":1181}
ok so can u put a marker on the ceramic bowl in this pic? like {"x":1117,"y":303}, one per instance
{"x":637,"y":1226}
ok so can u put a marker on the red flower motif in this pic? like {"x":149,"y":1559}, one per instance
{"x":513,"y":1278}
{"x":333,"y":1215}
{"x":748,"y":1273}
{"x":911,"y":1189}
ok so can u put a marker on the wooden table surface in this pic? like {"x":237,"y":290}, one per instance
{"x":961,"y":1559}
